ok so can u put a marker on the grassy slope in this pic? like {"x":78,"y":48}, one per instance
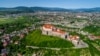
{"x":67,"y":52}
{"x":37,"y":39}
{"x":93,"y":50}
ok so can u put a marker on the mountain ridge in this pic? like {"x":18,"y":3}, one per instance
{"x":51,"y":9}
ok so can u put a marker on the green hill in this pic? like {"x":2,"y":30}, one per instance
{"x":37,"y":39}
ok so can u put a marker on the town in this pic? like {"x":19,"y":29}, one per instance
{"x":41,"y":33}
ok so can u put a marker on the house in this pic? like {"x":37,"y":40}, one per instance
{"x":93,"y":37}
{"x":49,"y":29}
{"x":16,"y":42}
{"x":19,"y":54}
{"x":74,"y":38}
{"x":7,"y":37}
{"x":4,"y":52}
{"x":22,"y":35}
{"x":5,"y":42}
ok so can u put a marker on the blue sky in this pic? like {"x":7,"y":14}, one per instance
{"x":51,"y":3}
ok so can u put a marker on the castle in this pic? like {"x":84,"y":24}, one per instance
{"x":49,"y":29}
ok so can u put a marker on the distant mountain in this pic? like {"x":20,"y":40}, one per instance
{"x":96,"y":9}
{"x":22,"y":9}
{"x":48,"y":9}
{"x":31,"y":9}
{"x":16,"y":10}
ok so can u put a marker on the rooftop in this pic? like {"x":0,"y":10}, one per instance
{"x":54,"y":29}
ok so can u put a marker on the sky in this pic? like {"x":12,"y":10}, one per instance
{"x":51,"y":3}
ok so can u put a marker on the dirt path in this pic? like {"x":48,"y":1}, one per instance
{"x":35,"y":47}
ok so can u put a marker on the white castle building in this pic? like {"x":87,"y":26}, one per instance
{"x":49,"y":29}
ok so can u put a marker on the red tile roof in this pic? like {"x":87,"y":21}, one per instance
{"x":75,"y":37}
{"x":93,"y":36}
{"x":49,"y":26}
{"x":59,"y":31}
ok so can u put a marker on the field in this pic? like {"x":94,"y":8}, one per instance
{"x":62,"y":52}
{"x":95,"y":30}
{"x":5,"y":20}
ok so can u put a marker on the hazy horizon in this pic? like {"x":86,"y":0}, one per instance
{"x":68,"y":4}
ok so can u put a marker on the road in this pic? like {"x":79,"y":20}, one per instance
{"x":35,"y":47}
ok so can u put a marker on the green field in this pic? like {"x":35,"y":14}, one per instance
{"x":37,"y":39}
{"x":12,"y":24}
{"x":68,"y":52}
{"x":95,"y":30}
{"x":5,"y":20}
{"x":62,"y":52}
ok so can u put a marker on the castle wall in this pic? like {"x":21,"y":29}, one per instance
{"x":46,"y":31}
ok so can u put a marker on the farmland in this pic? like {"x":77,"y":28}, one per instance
{"x":5,"y":20}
